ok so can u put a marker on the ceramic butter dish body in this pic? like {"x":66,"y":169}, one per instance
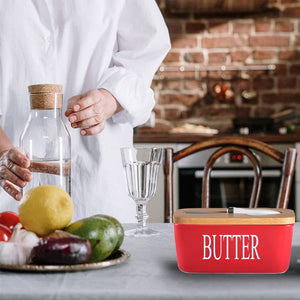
{"x":234,"y":240}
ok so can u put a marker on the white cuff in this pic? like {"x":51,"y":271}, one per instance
{"x":136,"y":99}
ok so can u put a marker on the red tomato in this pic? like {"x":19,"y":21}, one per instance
{"x":9,"y":219}
{"x":5,"y":233}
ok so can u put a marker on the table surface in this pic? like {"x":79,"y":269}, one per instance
{"x":152,"y":273}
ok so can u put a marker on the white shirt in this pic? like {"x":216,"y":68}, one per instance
{"x":83,"y":44}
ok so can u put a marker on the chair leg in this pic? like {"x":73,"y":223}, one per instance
{"x":288,"y":170}
{"x":168,"y":172}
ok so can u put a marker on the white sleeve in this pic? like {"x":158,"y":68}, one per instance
{"x":142,"y":43}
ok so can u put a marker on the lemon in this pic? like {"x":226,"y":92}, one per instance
{"x":45,"y":209}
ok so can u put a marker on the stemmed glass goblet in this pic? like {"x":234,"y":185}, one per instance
{"x":141,"y":167}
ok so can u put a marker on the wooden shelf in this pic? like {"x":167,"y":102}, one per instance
{"x":216,"y":6}
{"x":193,"y":138}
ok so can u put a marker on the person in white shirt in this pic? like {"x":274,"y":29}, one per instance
{"x":105,"y":54}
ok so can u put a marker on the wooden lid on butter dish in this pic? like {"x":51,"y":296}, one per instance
{"x":234,"y":216}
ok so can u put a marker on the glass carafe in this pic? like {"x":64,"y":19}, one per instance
{"x":46,"y":139}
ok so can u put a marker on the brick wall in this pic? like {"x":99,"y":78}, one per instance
{"x":198,"y":40}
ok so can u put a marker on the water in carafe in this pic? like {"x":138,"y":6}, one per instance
{"x":46,"y":139}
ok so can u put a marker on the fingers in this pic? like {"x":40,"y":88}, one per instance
{"x":13,"y":171}
{"x":87,"y":99}
{"x":8,"y":174}
{"x":82,"y":115}
{"x":90,"y":111}
{"x":10,"y":189}
{"x":18,"y":157}
{"x":17,"y":163}
{"x":87,"y":112}
{"x":87,"y":117}
{"x":71,"y":103}
{"x":80,"y":102}
{"x":68,"y":112}
{"x":89,"y":122}
{"x":93,"y":130}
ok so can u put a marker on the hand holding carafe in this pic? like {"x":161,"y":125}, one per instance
{"x":14,"y":171}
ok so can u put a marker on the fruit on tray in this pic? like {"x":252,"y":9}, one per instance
{"x":91,"y":239}
{"x":5,"y":233}
{"x":101,"y":232}
{"x":61,"y":248}
{"x":9,"y":219}
{"x":16,"y":251}
{"x":120,"y":229}
{"x":45,"y":209}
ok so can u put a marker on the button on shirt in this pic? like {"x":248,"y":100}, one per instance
{"x":112,"y":44}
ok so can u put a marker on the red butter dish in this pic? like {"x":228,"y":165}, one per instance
{"x":236,"y":240}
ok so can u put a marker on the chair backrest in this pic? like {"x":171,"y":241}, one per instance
{"x":224,"y":145}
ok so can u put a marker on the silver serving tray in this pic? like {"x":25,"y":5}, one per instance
{"x":117,"y":258}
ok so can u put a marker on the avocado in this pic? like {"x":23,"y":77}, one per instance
{"x":101,"y":233}
{"x":120,"y":229}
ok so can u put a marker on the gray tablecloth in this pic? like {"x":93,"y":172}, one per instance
{"x":152,"y":273}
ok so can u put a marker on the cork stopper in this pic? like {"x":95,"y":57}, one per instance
{"x":45,"y":96}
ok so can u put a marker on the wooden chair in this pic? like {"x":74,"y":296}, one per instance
{"x":227,"y":144}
